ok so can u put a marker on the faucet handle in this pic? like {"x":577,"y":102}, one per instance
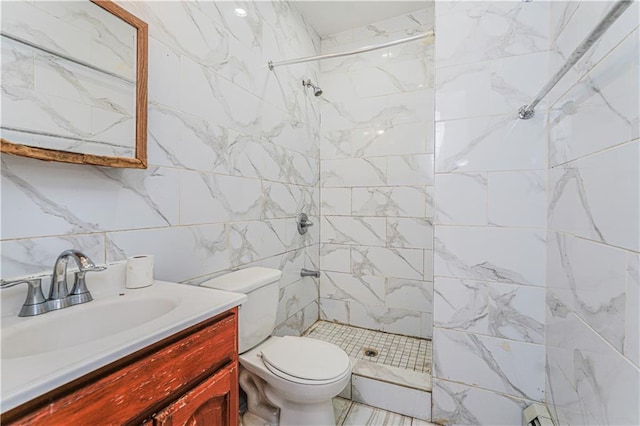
{"x":80,"y":293}
{"x":35,"y":303}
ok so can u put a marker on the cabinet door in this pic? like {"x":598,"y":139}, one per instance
{"x":212,"y":403}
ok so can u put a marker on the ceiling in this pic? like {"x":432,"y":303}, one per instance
{"x":330,"y":17}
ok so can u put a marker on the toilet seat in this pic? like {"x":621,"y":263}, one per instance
{"x":306,"y":361}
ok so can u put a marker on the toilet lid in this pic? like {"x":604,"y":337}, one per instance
{"x":305,"y":358}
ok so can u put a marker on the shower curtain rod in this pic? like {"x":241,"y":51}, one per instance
{"x":272,"y":64}
{"x":527,"y":111}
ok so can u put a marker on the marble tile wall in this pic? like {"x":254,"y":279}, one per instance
{"x":233,"y":158}
{"x":592,"y":300}
{"x":377,"y":177}
{"x":490,"y":211}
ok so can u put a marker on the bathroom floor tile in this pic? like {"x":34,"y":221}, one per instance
{"x":410,"y":353}
{"x":354,"y":414}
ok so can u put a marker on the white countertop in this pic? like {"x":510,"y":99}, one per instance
{"x":27,"y":377}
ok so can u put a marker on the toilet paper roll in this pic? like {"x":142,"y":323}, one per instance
{"x":139,"y":271}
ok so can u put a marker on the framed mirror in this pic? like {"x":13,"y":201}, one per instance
{"x":74,"y":82}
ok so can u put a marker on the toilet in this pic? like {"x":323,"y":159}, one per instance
{"x":288,"y":380}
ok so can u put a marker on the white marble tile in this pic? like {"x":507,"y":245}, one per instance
{"x":515,"y":80}
{"x":55,"y":198}
{"x":278,"y":199}
{"x":500,"y":310}
{"x":37,"y":256}
{"x":601,"y":110}
{"x":335,"y":257}
{"x":591,"y":279}
{"x":505,"y":366}
{"x":336,"y":201}
{"x":581,"y":201}
{"x":426,"y":331}
{"x":340,"y":409}
{"x":395,"y":375}
{"x":518,"y":198}
{"x":400,"y":201}
{"x":507,"y":255}
{"x":296,"y":324}
{"x":364,"y":415}
{"x":410,"y":170}
{"x":368,"y":290}
{"x":463,"y":91}
{"x":428,"y":265}
{"x":354,"y":172}
{"x":409,"y":233}
{"x":383,"y":111}
{"x":455,"y":403}
{"x":409,"y":294}
{"x":368,"y":231}
{"x":162,"y":87}
{"x":387,"y":262}
{"x":295,"y":297}
{"x":334,"y":310}
{"x":602,"y":382}
{"x":391,"y":320}
{"x":253,"y":240}
{"x":403,"y":400}
{"x":471,"y":32}
{"x":632,"y":330}
{"x":461,"y":199}
{"x":185,"y":252}
{"x":491,"y":144}
{"x":403,"y":139}
{"x":210,"y":198}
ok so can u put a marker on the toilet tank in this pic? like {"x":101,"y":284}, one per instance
{"x":257,"y":316}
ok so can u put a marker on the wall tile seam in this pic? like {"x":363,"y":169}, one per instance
{"x":488,"y":62}
{"x":488,"y":226}
{"x":436,"y":276}
{"x":593,"y":154}
{"x":485,"y":171}
{"x":584,"y":73}
{"x":502,"y":394}
{"x":488,"y":282}
{"x":514,"y":115}
{"x":602,"y":339}
{"x":589,"y":240}
{"x":541,"y":343}
{"x":209,"y":173}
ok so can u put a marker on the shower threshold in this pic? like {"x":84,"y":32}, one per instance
{"x":390,"y":371}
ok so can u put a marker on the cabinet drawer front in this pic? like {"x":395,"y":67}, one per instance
{"x":144,"y":385}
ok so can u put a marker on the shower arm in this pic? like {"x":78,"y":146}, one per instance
{"x":428,"y":34}
{"x":527,"y":111}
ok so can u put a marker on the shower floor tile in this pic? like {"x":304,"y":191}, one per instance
{"x":403,"y":352}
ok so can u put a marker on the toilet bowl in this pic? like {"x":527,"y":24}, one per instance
{"x":290,"y":380}
{"x":300,"y":377}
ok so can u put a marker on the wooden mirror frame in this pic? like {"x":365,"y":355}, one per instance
{"x":140,"y":160}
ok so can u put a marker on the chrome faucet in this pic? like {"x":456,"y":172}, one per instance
{"x":59,"y":296}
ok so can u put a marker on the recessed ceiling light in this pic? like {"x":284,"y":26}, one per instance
{"x":240,"y":12}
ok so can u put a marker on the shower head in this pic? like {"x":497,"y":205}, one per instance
{"x":316,"y":90}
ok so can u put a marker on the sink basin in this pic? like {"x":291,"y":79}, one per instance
{"x":81,"y":324}
{"x":41,"y":353}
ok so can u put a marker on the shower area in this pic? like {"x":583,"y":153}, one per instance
{"x":463,"y":170}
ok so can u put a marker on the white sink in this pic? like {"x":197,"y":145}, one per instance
{"x":41,"y":353}
{"x":81,"y":324}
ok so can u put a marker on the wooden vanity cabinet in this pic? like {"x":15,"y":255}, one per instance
{"x":190,"y":378}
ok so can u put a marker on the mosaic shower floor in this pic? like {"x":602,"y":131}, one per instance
{"x":408,"y":353}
